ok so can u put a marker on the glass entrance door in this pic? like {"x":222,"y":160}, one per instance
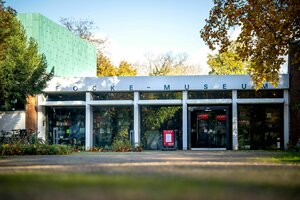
{"x":209,"y":127}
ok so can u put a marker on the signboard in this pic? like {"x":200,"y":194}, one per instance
{"x":158,"y":83}
{"x":168,"y":138}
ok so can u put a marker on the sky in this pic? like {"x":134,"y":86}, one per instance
{"x":135,"y":28}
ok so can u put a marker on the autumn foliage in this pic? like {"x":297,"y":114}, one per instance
{"x":267,"y":29}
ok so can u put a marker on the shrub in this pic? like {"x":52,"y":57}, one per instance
{"x":294,"y":146}
{"x":34,"y":149}
{"x":121,"y":145}
{"x":138,"y":148}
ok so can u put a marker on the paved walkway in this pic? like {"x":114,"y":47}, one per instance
{"x":143,"y":162}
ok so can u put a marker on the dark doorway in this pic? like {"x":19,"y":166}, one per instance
{"x":209,"y":127}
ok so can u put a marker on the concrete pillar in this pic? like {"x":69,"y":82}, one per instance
{"x":184,"y":121}
{"x":136,"y":120}
{"x":235,"y":145}
{"x":41,"y":118}
{"x":286,"y":118}
{"x":88,"y":122}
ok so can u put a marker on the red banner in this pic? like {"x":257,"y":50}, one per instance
{"x":169,"y":138}
{"x":221,"y":117}
{"x":202,"y":117}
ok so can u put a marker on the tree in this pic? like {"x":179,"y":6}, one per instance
{"x":106,"y":68}
{"x":22,"y":68}
{"x":163,"y":64}
{"x":84,"y":28}
{"x":226,"y":63}
{"x":267,"y":29}
{"x":126,"y":69}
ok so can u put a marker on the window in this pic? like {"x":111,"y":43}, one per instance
{"x":78,"y":96}
{"x":112,"y":96}
{"x":219,"y":94}
{"x":111,"y":123}
{"x":66,"y":125}
{"x":242,"y":94}
{"x":155,"y":119}
{"x":160,"y":95}
{"x":260,"y":126}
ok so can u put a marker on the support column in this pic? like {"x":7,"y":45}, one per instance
{"x":184,"y":121}
{"x":31,"y":113}
{"x":136,"y":120}
{"x":286,"y":118}
{"x":234,"y":121}
{"x":88,"y":122}
{"x":41,"y":119}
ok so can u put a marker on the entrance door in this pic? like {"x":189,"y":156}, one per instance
{"x":209,"y":127}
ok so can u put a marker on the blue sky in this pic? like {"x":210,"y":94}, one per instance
{"x":135,"y":27}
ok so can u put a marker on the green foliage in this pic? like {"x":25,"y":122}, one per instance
{"x":121,"y":142}
{"x":227,"y":63}
{"x":22,"y":68}
{"x":121,"y":145}
{"x":106,"y":68}
{"x":20,"y":137}
{"x":157,"y":116}
{"x":267,"y":29}
{"x":34,"y":149}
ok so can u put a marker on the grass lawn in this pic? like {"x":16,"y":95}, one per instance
{"x":104,"y":186}
{"x":282,"y":157}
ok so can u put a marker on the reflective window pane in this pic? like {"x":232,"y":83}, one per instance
{"x":260,"y":126}
{"x":160,"y":95}
{"x":111,"y":123}
{"x":66,"y":125}
{"x":242,"y":94}
{"x":78,"y":96}
{"x":112,"y":95}
{"x":156,"y":119}
{"x":220,"y":94}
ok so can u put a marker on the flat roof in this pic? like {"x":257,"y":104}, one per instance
{"x":158,"y":83}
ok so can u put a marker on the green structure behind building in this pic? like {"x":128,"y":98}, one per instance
{"x":70,"y":55}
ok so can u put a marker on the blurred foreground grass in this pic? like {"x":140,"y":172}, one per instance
{"x":282,"y":157}
{"x":44,"y":186}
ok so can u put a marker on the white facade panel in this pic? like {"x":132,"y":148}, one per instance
{"x":12,"y":120}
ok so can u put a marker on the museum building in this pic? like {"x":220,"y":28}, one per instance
{"x":202,"y":112}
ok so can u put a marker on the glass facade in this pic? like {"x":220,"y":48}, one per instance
{"x":260,"y":126}
{"x":66,"y":125}
{"x":219,"y":94}
{"x":210,"y":126}
{"x":111,"y":123}
{"x":155,"y":119}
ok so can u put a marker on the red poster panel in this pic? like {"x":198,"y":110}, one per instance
{"x":169,"y":139}
{"x":202,"y":117}
{"x":221,"y":117}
